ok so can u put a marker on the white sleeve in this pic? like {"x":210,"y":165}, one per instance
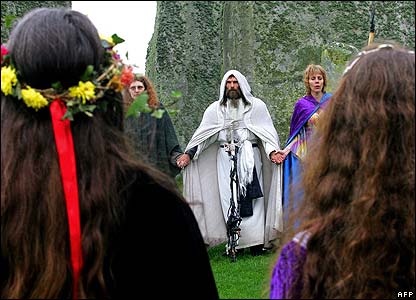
{"x":268,"y":148}
{"x":205,"y":144}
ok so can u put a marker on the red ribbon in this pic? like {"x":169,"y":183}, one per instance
{"x":65,"y":148}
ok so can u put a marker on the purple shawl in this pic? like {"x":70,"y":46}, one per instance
{"x":303,"y":110}
{"x":286,"y":281}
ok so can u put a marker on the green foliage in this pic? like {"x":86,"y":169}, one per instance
{"x":74,"y":107}
{"x":170,"y":105}
{"x":176,"y":94}
{"x":117,"y":39}
{"x":158,"y":113}
{"x":8,"y":21}
{"x":139,"y":105}
{"x":88,"y":74}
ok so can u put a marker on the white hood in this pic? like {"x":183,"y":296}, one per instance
{"x":242,"y":82}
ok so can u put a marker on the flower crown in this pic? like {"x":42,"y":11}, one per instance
{"x":81,"y":98}
{"x":365,"y":52}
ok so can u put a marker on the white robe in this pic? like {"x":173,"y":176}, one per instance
{"x":206,"y":178}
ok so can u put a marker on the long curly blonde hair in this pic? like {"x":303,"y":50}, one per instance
{"x":359,"y":184}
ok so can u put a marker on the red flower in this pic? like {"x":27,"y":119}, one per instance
{"x":127,"y":76}
{"x":4,"y":52}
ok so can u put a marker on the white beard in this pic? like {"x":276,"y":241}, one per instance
{"x":234,"y":102}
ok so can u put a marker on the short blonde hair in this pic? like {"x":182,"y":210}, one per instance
{"x":309,"y":71}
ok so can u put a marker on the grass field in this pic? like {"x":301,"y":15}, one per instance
{"x":246,"y":278}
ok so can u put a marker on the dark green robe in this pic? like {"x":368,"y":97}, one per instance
{"x":155,"y":141}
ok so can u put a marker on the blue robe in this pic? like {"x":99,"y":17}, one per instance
{"x":304,"y":109}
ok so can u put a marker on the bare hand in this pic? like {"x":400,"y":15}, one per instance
{"x":278,"y":156}
{"x":183,"y":160}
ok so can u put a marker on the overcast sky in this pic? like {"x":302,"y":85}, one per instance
{"x":131,"y":20}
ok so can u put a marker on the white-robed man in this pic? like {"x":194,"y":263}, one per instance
{"x":241,"y":119}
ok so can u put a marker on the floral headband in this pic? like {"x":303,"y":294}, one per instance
{"x":63,"y":104}
{"x":80,"y":98}
{"x":365,"y":52}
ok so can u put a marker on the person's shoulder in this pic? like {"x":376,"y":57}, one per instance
{"x":255,"y":99}
{"x":159,"y":196}
{"x":212,"y":108}
{"x":302,"y":99}
{"x":301,"y":238}
{"x":214,"y":104}
{"x":152,"y":184}
{"x":257,"y":102}
{"x":326,"y":95}
{"x":299,"y":241}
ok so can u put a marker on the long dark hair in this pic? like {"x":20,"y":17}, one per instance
{"x":359,"y":184}
{"x":50,"y":45}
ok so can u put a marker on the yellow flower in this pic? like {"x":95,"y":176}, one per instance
{"x":84,"y":91}
{"x":8,"y":79}
{"x":33,"y":98}
{"x":108,"y":39}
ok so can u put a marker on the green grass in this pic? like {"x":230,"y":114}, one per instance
{"x":246,"y":278}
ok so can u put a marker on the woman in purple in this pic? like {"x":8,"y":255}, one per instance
{"x":304,"y":119}
{"x":356,"y":233}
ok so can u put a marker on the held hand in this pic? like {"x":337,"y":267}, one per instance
{"x":183,"y":160}
{"x":285,"y":151}
{"x":278,"y":156}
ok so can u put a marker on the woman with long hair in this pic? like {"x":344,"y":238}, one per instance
{"x":153,"y":138}
{"x":76,"y":208}
{"x":356,"y":234}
